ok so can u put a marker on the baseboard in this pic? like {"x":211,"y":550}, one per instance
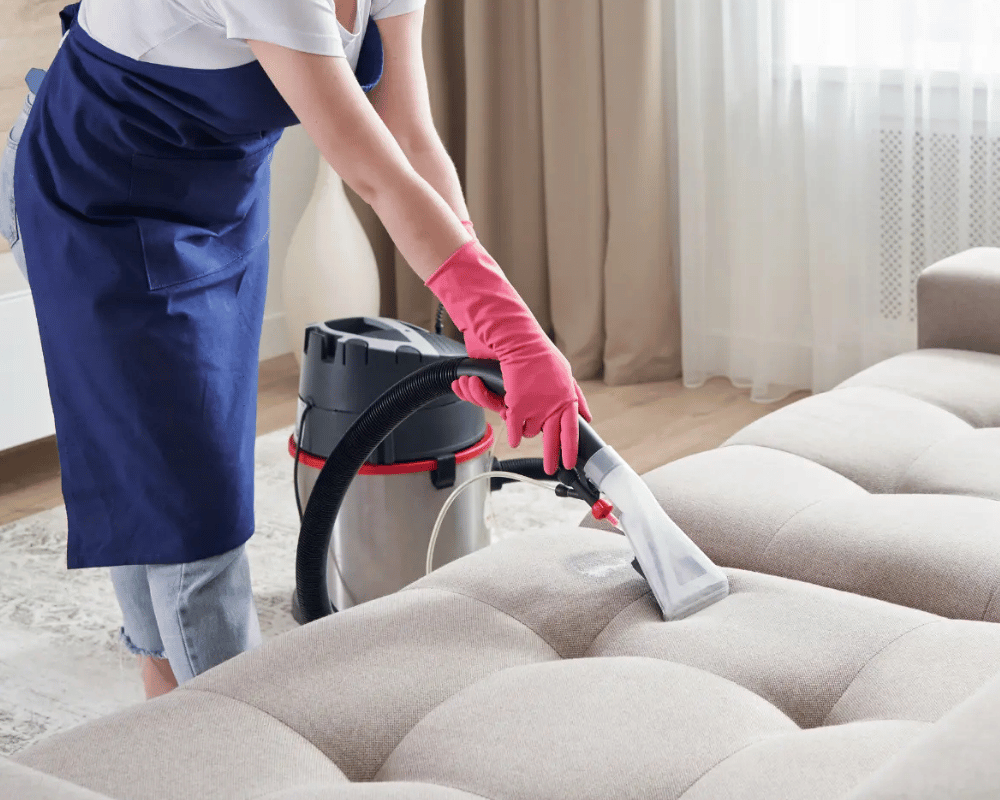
{"x":274,"y":337}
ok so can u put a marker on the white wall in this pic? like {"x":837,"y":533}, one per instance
{"x":25,"y":410}
{"x":293,"y":173}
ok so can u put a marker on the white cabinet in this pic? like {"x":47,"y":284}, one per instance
{"x":25,"y":409}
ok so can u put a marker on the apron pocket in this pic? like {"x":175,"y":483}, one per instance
{"x":197,"y":216}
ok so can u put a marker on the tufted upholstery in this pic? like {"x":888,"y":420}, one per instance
{"x":541,"y":668}
{"x":856,"y":658}
{"x":888,"y":485}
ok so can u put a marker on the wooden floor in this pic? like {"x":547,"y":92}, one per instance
{"x":648,"y":424}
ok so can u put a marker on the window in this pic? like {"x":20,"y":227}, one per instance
{"x":926,"y":35}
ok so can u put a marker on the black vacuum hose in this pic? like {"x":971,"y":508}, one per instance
{"x":529,"y":467}
{"x":410,"y":394}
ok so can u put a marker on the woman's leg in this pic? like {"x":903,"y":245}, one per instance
{"x":183,"y":619}
{"x":140,"y":633}
{"x":205,"y":611}
{"x":157,"y":677}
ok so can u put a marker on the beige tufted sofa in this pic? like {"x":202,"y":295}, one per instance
{"x":856,"y":658}
{"x":888,"y":485}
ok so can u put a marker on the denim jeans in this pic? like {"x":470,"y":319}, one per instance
{"x":196,"y":615}
{"x":8,"y":215}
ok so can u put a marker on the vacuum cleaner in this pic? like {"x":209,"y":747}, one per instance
{"x":381,"y":441}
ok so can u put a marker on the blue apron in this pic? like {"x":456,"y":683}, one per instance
{"x":142,"y":196}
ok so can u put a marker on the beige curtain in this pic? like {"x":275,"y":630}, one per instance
{"x":554,"y":112}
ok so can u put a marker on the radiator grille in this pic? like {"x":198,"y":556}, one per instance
{"x":937,"y":223}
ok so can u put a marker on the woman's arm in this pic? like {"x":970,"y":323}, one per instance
{"x":350,"y":135}
{"x":540,"y":393}
{"x":402,"y":100}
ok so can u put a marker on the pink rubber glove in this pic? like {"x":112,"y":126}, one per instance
{"x":473,"y":390}
{"x":541,"y":395}
{"x":478,"y":393}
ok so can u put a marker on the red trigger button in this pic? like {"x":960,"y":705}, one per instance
{"x":602,"y":510}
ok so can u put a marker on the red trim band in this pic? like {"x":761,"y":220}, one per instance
{"x":404,"y":467}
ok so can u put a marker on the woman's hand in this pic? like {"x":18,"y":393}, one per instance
{"x":473,"y":390}
{"x":541,"y":395}
{"x":536,"y":388}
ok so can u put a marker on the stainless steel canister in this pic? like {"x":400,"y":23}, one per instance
{"x":381,"y":534}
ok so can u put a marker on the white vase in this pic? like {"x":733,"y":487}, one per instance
{"x":330,"y":269}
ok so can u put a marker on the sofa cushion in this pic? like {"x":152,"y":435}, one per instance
{"x":352,"y":685}
{"x":954,"y":758}
{"x":887,"y":485}
{"x":963,"y":465}
{"x":395,"y":790}
{"x":185,"y":744}
{"x":822,"y":657}
{"x":961,"y":382}
{"x":21,"y":782}
{"x":870,"y":436}
{"x":541,"y":667}
{"x":616,"y":728}
{"x":817,"y":763}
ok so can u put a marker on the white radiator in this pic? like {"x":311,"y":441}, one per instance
{"x":946,"y":204}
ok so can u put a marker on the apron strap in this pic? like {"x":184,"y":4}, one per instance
{"x":370,"y":58}
{"x":68,"y":16}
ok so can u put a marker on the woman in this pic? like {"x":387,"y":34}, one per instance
{"x":141,"y":185}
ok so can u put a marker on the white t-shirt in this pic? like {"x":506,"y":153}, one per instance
{"x":212,"y":34}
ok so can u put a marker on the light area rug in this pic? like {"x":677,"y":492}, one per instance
{"x":60,"y":661}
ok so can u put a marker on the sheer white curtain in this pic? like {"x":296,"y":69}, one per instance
{"x":828,"y":150}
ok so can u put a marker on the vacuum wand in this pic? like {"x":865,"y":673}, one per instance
{"x":683,"y":579}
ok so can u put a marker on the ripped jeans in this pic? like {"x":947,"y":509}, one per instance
{"x":196,"y":615}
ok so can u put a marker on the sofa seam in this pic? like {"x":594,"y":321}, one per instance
{"x":791,"y":518}
{"x":793,"y":454}
{"x":643,"y":596}
{"x":888,"y":390}
{"x":590,"y":647}
{"x":893,"y":489}
{"x":283,"y":792}
{"x":989,"y":601}
{"x":427,"y":714}
{"x":906,"y":472}
{"x":280,"y":721}
{"x":901,"y":393}
{"x":735,"y":752}
{"x":423,"y":716}
{"x":488,"y":604}
{"x":903,"y":475}
{"x":872,"y":658}
{"x":413,"y":727}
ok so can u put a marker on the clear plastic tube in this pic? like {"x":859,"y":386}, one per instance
{"x":454,"y":496}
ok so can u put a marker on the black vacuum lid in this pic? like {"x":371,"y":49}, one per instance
{"x":347,"y":364}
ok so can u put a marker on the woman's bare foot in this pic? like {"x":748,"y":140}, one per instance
{"x":157,"y":677}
